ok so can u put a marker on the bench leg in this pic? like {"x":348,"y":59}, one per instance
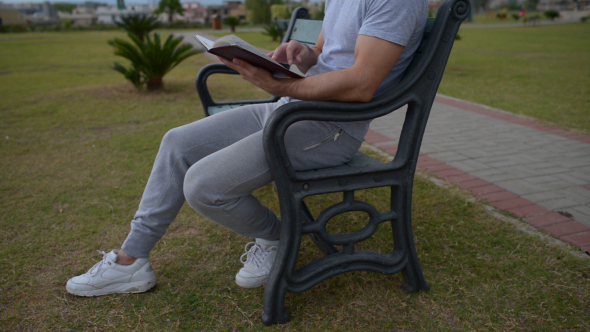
{"x":276,"y":286}
{"x":413,"y":277}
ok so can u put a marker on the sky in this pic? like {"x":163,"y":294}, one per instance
{"x":114,"y":2}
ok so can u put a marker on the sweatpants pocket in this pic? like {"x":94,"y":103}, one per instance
{"x":331,"y":137}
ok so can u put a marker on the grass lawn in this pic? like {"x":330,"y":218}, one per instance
{"x":541,"y":72}
{"x":483,"y":18}
{"x":77,"y":144}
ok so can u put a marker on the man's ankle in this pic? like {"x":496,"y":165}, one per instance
{"x":124,"y":258}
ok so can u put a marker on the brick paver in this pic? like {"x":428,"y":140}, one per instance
{"x":537,"y":172}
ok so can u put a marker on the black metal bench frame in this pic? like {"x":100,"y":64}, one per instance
{"x":417,"y":90}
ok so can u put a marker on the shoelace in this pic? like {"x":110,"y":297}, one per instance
{"x":94,"y":270}
{"x":254,"y":256}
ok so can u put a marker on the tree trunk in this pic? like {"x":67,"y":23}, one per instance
{"x":233,"y":28}
{"x":155,"y":83}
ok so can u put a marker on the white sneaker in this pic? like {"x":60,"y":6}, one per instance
{"x":259,"y":259}
{"x":108,"y":277}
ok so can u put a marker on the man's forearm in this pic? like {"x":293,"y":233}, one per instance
{"x":374,"y":59}
{"x":342,"y":85}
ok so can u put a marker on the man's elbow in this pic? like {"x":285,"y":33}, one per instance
{"x":363,"y":94}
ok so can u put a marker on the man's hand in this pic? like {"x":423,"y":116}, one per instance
{"x":255,"y":75}
{"x":302,"y":55}
{"x":289,"y":52}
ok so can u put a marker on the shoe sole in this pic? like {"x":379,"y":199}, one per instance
{"x":135,"y":287}
{"x":250,"y":282}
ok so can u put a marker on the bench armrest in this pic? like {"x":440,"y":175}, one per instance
{"x":205,"y":95}
{"x":288,"y":114}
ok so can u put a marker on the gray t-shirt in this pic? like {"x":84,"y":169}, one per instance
{"x":398,"y":21}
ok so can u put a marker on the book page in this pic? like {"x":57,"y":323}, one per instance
{"x":208,"y":44}
{"x":231,"y":40}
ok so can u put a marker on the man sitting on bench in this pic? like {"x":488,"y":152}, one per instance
{"x":216,"y":163}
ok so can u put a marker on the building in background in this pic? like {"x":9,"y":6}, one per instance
{"x":111,"y":14}
{"x":81,"y":16}
{"x":235,"y":9}
{"x":194,"y":12}
{"x":11,"y":17}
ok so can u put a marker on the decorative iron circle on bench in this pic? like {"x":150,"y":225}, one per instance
{"x":375,"y":218}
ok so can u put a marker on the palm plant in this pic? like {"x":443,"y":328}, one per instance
{"x":272,"y":30}
{"x":139,"y":25}
{"x":169,"y":7}
{"x":150,"y":59}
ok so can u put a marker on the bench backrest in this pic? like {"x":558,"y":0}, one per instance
{"x":301,"y":28}
{"x":306,"y":31}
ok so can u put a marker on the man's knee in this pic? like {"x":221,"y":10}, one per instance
{"x":200,"y":189}
{"x":172,"y":138}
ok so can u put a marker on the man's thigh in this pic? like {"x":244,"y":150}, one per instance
{"x":203,"y":137}
{"x":241,"y":167}
{"x":318,"y":144}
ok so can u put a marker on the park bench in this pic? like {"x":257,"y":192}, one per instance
{"x":417,"y":90}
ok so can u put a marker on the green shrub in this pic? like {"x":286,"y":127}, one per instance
{"x":515,"y":16}
{"x":272,"y":30}
{"x":14,"y":28}
{"x":552,"y":14}
{"x":67,"y":24}
{"x":150,"y":59}
{"x":584,"y":19}
{"x":502,"y":14}
{"x":138,"y":25}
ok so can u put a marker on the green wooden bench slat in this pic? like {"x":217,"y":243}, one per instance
{"x":307,"y":31}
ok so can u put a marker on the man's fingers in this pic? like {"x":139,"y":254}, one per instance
{"x":277,"y":53}
{"x":295,"y":51}
{"x":302,"y":53}
{"x":232,"y":65}
{"x":291,"y":49}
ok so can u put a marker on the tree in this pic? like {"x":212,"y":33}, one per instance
{"x":319,"y":15}
{"x":280,"y":11}
{"x":232,"y":22}
{"x":138,"y":25}
{"x":260,"y":10}
{"x":169,"y":7}
{"x":552,"y":14}
{"x":63,"y":7}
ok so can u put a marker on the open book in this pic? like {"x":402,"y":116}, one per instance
{"x":230,"y":47}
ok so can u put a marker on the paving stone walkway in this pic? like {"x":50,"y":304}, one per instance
{"x":538,"y":173}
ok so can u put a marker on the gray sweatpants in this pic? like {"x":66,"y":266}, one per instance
{"x":216,"y":163}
